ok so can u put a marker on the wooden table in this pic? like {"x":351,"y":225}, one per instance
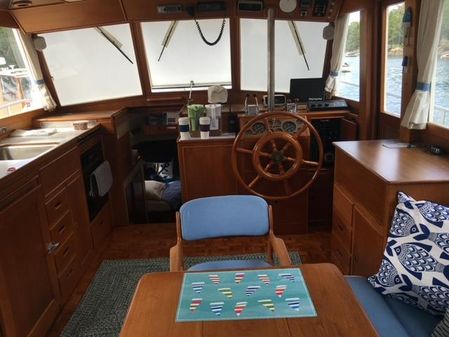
{"x":153,"y":311}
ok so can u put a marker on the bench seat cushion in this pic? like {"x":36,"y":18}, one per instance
{"x":389,"y":316}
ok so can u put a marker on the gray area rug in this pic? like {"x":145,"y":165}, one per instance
{"x":103,"y":308}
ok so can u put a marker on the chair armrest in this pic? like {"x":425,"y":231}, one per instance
{"x":280,"y":250}
{"x":176,"y":263}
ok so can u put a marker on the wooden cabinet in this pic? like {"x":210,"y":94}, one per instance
{"x":206,"y":170}
{"x":28,"y":288}
{"x":368,"y":176}
{"x":68,"y":219}
{"x":369,"y":243}
{"x":101,"y":226}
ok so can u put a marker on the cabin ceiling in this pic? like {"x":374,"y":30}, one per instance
{"x":12,"y":4}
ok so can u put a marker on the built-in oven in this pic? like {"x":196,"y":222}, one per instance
{"x":91,"y":158}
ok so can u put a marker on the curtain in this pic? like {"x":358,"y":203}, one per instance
{"x":338,"y":51}
{"x":430,"y":18}
{"x":48,"y":102}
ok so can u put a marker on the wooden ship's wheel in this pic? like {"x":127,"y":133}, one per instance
{"x":270,"y":155}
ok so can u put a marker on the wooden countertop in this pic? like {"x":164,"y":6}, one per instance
{"x":12,"y":170}
{"x":396,"y":164}
{"x":96,"y":114}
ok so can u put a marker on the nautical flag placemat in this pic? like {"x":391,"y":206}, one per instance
{"x":252,"y":294}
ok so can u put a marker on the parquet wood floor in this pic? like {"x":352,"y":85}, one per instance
{"x":155,"y":240}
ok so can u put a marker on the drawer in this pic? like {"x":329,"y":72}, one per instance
{"x":62,"y":229}
{"x":66,"y":252}
{"x":101,"y":226}
{"x":342,"y":205}
{"x":54,"y":174}
{"x":340,"y":256}
{"x":57,"y":207}
{"x":342,"y":231}
{"x":68,"y":279}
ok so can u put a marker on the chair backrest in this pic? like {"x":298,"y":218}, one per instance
{"x":230,"y":215}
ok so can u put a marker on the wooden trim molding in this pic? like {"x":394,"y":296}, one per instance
{"x":6,"y":20}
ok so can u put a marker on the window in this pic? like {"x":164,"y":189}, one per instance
{"x":92,"y":64}
{"x":288,"y":61}
{"x":19,"y":92}
{"x":186,"y":56}
{"x":348,"y":80}
{"x":440,"y":85}
{"x":394,"y":43}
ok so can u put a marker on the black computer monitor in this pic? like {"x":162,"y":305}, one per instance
{"x":307,"y":89}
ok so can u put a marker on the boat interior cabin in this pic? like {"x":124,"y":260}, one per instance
{"x":140,"y":140}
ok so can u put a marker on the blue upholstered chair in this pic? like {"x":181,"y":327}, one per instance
{"x":226,"y":216}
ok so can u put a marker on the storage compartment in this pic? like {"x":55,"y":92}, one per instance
{"x":54,"y":174}
{"x":68,"y":278}
{"x":342,"y":206}
{"x":339,"y":256}
{"x":340,"y":230}
{"x":62,"y":229}
{"x":65,"y":253}
{"x":101,"y":227}
{"x":56,"y":207}
{"x":368,"y":245}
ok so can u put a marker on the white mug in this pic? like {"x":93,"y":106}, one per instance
{"x":204,"y":127}
{"x":183,"y":123}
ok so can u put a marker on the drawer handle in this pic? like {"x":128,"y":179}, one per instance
{"x":69,"y":272}
{"x":58,"y":205}
{"x":61,"y":229}
{"x":66,"y":252}
{"x":340,"y":227}
{"x":52,"y":246}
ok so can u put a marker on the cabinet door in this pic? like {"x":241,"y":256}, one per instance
{"x":206,"y":169}
{"x":368,"y":244}
{"x":80,"y":214}
{"x":28,"y":284}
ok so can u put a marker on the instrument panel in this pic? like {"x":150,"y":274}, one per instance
{"x":290,"y":126}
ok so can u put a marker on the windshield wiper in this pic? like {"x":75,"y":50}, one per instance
{"x":167,"y":37}
{"x":298,"y":42}
{"x":111,"y":38}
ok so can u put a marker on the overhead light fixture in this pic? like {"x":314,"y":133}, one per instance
{"x":39,"y":43}
{"x":21,"y":3}
{"x":211,"y":6}
{"x":287,"y":6}
{"x":171,"y":8}
{"x":250,"y":5}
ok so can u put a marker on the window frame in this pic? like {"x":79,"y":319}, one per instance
{"x":361,"y":48}
{"x":29,"y":66}
{"x":48,"y":77}
{"x":177,"y":88}
{"x":238,"y":62}
{"x":384,"y":61}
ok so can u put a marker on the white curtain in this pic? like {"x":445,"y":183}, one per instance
{"x":48,"y":102}
{"x":430,"y":17}
{"x":338,"y":51}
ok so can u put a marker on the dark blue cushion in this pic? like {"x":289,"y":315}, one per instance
{"x":417,"y":322}
{"x":230,"y":215}
{"x":384,"y":320}
{"x":230,"y":264}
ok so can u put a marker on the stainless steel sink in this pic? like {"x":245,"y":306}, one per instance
{"x":24,"y":151}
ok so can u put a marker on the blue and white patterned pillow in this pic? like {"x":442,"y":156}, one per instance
{"x":442,"y":328}
{"x":415,"y":266}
